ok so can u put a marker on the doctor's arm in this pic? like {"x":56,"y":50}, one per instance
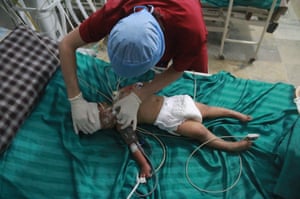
{"x":67,"y":54}
{"x":159,"y":82}
{"x":128,"y":106}
{"x":85,"y":115}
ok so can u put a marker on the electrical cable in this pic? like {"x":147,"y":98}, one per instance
{"x":163,"y":160}
{"x":195,"y":86}
{"x":139,"y":181}
{"x":153,"y":176}
{"x":213,"y":191}
{"x":155,"y":170}
{"x":203,"y":144}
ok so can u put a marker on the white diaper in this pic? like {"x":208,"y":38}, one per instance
{"x":175,"y":110}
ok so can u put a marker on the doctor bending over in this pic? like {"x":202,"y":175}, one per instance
{"x":142,"y":34}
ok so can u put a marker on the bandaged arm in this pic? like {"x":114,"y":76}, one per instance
{"x":138,"y":154}
{"x":131,"y":140}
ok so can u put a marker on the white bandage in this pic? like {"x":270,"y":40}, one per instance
{"x":133,"y":147}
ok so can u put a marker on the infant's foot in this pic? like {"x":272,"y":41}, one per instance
{"x":240,"y":146}
{"x":245,"y":118}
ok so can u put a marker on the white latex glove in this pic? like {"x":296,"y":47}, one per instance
{"x":126,"y":109}
{"x":85,"y":115}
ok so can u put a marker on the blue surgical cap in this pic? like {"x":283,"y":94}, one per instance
{"x":136,"y":43}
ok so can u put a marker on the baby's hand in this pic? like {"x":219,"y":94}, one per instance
{"x":146,"y":171}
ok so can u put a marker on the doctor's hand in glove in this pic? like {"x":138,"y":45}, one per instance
{"x":85,"y":115}
{"x":126,"y":110}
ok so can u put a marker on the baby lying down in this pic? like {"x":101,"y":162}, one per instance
{"x":178,"y":115}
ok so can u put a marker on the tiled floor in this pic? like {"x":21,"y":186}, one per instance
{"x":278,"y":59}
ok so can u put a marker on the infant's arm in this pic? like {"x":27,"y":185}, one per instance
{"x":129,"y":136}
{"x":145,"y":168}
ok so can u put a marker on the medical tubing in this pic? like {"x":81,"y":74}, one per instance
{"x":161,"y":144}
{"x":102,"y":81}
{"x":154,"y":174}
{"x":108,"y":82}
{"x":200,"y":146}
{"x":96,"y":90}
{"x":195,"y":87}
{"x":130,"y":138}
{"x":213,"y":191}
{"x":134,"y":188}
{"x":139,"y":179}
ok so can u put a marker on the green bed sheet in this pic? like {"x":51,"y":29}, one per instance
{"x":47,"y":160}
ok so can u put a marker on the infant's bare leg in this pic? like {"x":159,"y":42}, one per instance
{"x":214,"y":112}
{"x":197,"y":130}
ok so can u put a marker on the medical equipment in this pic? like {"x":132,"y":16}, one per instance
{"x":43,"y":16}
{"x":220,"y":16}
{"x":131,"y":139}
{"x":250,"y":137}
{"x":52,"y":17}
{"x":138,"y":182}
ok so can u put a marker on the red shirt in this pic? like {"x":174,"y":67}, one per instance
{"x":182,"y":22}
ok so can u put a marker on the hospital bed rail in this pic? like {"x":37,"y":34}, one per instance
{"x":221,"y":19}
{"x":54,"y":18}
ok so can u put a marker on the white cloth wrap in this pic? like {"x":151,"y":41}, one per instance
{"x":175,"y":110}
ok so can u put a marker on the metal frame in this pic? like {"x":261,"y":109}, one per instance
{"x":225,"y":16}
{"x":67,"y":13}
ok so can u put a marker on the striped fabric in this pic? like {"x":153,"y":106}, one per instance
{"x":25,"y":67}
{"x":47,"y":159}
